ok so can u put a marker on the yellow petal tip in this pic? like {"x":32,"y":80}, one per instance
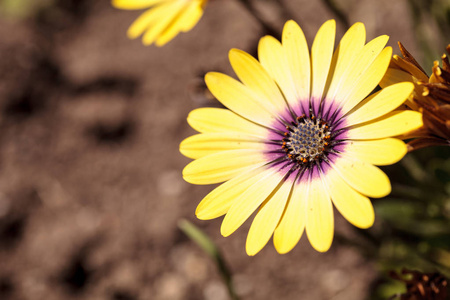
{"x":321,"y":248}
{"x":210,"y":77}
{"x":290,"y":23}
{"x":233,"y":52}
{"x":252,"y":248}
{"x":283,"y":249}
{"x":331,"y":21}
{"x":225,"y":233}
{"x":225,"y":228}
{"x":365,"y":225}
{"x":131,"y":35}
{"x":200,"y":215}
{"x":250,"y":252}
{"x":383,"y":193}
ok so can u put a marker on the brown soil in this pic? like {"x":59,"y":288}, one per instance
{"x":90,"y":173}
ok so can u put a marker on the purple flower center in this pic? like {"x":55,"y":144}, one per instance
{"x":307,"y":139}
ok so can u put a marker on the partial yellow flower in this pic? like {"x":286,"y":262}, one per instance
{"x":431,"y":97}
{"x":163,"y":20}
{"x":298,"y":137}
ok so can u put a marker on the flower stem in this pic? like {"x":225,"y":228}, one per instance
{"x":207,"y":245}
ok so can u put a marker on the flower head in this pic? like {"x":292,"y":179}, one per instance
{"x":431,"y":96}
{"x":298,"y":137}
{"x":163,"y":20}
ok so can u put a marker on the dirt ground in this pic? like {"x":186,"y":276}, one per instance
{"x":90,"y":174}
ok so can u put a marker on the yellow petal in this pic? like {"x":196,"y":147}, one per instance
{"x":239,"y":98}
{"x":253,"y":75}
{"x":380,"y":103}
{"x":134,"y":4}
{"x":392,"y":124}
{"x":356,"y":208}
{"x":267,"y":219}
{"x":273,"y":59}
{"x":321,"y":55}
{"x":363,"y":176}
{"x":164,"y":17}
{"x":410,"y":68}
{"x":249,"y":200}
{"x":219,"y":201}
{"x":351,"y":44}
{"x":319,"y":219}
{"x":183,"y":22}
{"x":204,"y":144}
{"x":357,"y":67}
{"x":210,"y":119}
{"x":293,"y":221}
{"x":221,"y":166}
{"x":195,"y":12}
{"x":144,"y":21}
{"x":394,"y":76}
{"x":297,"y":52}
{"x":381,"y":152}
{"x":367,"y":81}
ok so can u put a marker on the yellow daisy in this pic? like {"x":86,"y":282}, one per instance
{"x":298,"y":137}
{"x":163,"y":20}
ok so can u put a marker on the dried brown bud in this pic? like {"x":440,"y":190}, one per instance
{"x":422,"y":286}
{"x":431,"y":96}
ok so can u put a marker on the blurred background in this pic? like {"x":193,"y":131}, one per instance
{"x":90,"y":174}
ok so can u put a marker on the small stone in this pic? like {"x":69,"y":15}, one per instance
{"x":216,"y":290}
{"x":171,"y":287}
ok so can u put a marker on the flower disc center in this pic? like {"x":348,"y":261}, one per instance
{"x":307,"y":140}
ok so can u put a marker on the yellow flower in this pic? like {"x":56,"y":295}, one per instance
{"x":298,"y":137}
{"x":163,"y":20}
